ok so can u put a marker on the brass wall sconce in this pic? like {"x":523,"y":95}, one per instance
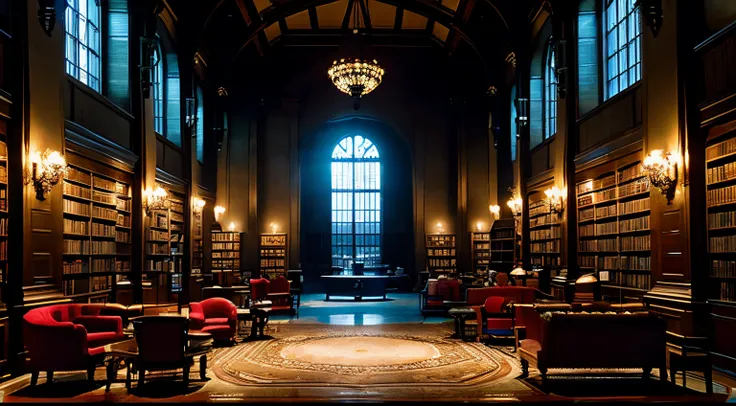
{"x":661,"y":168}
{"x":46,"y":15}
{"x":46,"y":171}
{"x":556,"y":199}
{"x":197,"y":205}
{"x":155,"y":200}
{"x":651,"y":10}
{"x":495,"y":211}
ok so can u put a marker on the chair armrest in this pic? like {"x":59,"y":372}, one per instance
{"x":278,"y":295}
{"x":196,"y":320}
{"x":99,"y":324}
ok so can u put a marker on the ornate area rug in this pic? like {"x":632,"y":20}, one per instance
{"x":361,"y":356}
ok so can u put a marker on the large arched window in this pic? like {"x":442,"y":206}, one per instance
{"x":199,"y":145}
{"x":622,"y":45}
{"x":550,"y":93}
{"x":513,"y":126}
{"x":157,"y":87}
{"x":356,"y":202}
{"x":82,"y":20}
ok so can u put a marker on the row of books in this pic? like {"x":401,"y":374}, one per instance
{"x":721,"y":195}
{"x":635,"y":224}
{"x":723,"y":269}
{"x":77,"y":191}
{"x":123,"y":220}
{"x":3,"y":226}
{"x":122,"y":236}
{"x":440,"y":252}
{"x":720,"y":149}
{"x":103,"y":230}
{"x":538,"y":208}
{"x":546,"y":260}
{"x":439,"y":241}
{"x":640,"y":186}
{"x":122,"y":265}
{"x":604,"y":195}
{"x":103,"y":264}
{"x":104,"y":184}
{"x":76,"y":227}
{"x":587,"y":261}
{"x":104,"y":198}
{"x":721,"y":220}
{"x":158,"y":249}
{"x":481,"y":236}
{"x":586,"y":230}
{"x":606,"y":245}
{"x":549,"y":219}
{"x":721,"y":173}
{"x":75,"y":174}
{"x":637,"y":281}
{"x":226,"y":254}
{"x":176,"y":216}
{"x":482,"y":246}
{"x":723,"y":244}
{"x":552,"y":232}
{"x":584,"y":187}
{"x":633,"y":206}
{"x":631,"y":172}
{"x":606,"y":228}
{"x":70,"y":206}
{"x":176,"y":206}
{"x":608,"y":263}
{"x":74,"y":267}
{"x":272,"y":263}
{"x":160,"y":220}
{"x":503,"y":234}
{"x":233,"y":246}
{"x":225,"y":263}
{"x":635,"y":243}
{"x":103,"y":247}
{"x":123,"y":204}
{"x":221,"y":236}
{"x":544,"y":247}
{"x":727,"y":291}
{"x":3,"y":174}
{"x":638,"y":263}
{"x":482,"y":254}
{"x":500,"y":245}
{"x":435,"y":262}
{"x":605,"y":211}
{"x":158,"y":235}
{"x":79,"y":247}
{"x":104,"y":213}
{"x":273,"y":252}
{"x":586,"y":214}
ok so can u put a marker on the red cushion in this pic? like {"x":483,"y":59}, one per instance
{"x":435,"y":303}
{"x":220,"y":332}
{"x":215,"y":321}
{"x":494,"y":304}
{"x":499,"y":324}
{"x":98,"y":339}
{"x":96,"y":350}
{"x":280,"y":308}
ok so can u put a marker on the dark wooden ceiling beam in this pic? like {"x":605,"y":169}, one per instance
{"x":348,"y":15}
{"x":333,"y":38}
{"x":250,"y":16}
{"x":366,"y":15}
{"x":313,"y":20}
{"x":399,"y":19}
{"x":462,"y":16}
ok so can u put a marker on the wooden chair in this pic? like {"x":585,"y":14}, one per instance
{"x":162,"y":345}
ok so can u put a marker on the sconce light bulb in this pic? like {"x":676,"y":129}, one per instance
{"x":231,"y":227}
{"x":479,"y":225}
{"x":274,"y":227}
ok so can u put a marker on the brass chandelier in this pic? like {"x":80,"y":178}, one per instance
{"x":356,"y":75}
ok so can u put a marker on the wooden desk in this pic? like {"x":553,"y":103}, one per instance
{"x":356,"y":286}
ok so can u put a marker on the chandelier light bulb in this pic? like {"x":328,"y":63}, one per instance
{"x":495,"y":210}
{"x":219,"y":211}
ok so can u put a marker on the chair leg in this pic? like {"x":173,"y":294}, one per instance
{"x":34,"y":379}
{"x":663,"y":374}
{"x":646,"y":372}
{"x":708,"y":374}
{"x":91,"y":373}
{"x":186,"y":375}
{"x":49,"y":377}
{"x":203,"y":367}
{"x":141,"y":376}
{"x":673,"y":373}
{"x":524,"y":368}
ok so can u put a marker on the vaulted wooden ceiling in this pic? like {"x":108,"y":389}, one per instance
{"x":225,"y":30}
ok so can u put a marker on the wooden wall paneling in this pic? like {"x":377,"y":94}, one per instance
{"x":723,"y":328}
{"x":91,"y":110}
{"x":618,"y":115}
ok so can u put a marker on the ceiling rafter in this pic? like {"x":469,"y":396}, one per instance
{"x":249,"y":14}
{"x":464,"y":10}
{"x":313,"y":20}
{"x":348,"y":14}
{"x":399,"y":18}
{"x":366,"y":15}
{"x":428,"y":8}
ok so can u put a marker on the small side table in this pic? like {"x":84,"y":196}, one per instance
{"x":461,"y":315}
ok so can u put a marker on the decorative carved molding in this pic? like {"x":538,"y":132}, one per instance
{"x":511,"y":58}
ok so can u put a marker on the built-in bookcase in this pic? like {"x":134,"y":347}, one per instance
{"x":441,"y":255}
{"x":272,"y":254}
{"x":97,"y":234}
{"x":480,"y":251}
{"x":544,"y":235}
{"x":4,"y":218}
{"x":721,"y":202}
{"x":614,"y":231}
{"x":197,"y":245}
{"x":504,"y":245}
{"x":226,"y":249}
{"x":165,"y":248}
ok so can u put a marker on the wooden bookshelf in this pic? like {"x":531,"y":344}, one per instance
{"x":226,"y":256}
{"x":272,"y":254}
{"x":504,"y":245}
{"x":164,"y":250}
{"x":4,"y":219}
{"x":721,"y":202}
{"x":441,"y":255}
{"x":614,"y":231}
{"x":480,"y":251}
{"x":197,"y":245}
{"x":96,"y":229}
{"x":544,"y":235}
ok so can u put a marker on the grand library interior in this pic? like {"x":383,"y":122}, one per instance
{"x":367,"y":200}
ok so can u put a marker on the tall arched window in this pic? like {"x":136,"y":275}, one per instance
{"x":622,"y":45}
{"x":356,"y":202}
{"x":157,"y":87}
{"x":513,"y":126}
{"x":199,"y":145}
{"x":82,"y":20}
{"x":550,"y":93}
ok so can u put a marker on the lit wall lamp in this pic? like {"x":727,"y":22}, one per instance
{"x":556,"y":199}
{"x":219,"y":211}
{"x":197,"y":205}
{"x":440,"y":228}
{"x":661,"y":168}
{"x":46,"y":15}
{"x":191,"y":117}
{"x":516,"y":205}
{"x":155,"y":200}
{"x":479,"y":226}
{"x":495,"y":211}
{"x":47,"y":170}
{"x":274,"y":227}
{"x":653,"y":15}
{"x":231,"y":227}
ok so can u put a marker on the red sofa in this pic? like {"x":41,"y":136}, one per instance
{"x":216,"y":316}
{"x":566,"y":339}
{"x":68,"y":337}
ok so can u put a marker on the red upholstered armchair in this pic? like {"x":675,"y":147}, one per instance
{"x":279,"y":293}
{"x":259,"y":289}
{"x":216,"y":316}
{"x":68,"y":337}
{"x":433,"y":299}
{"x":494,"y":317}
